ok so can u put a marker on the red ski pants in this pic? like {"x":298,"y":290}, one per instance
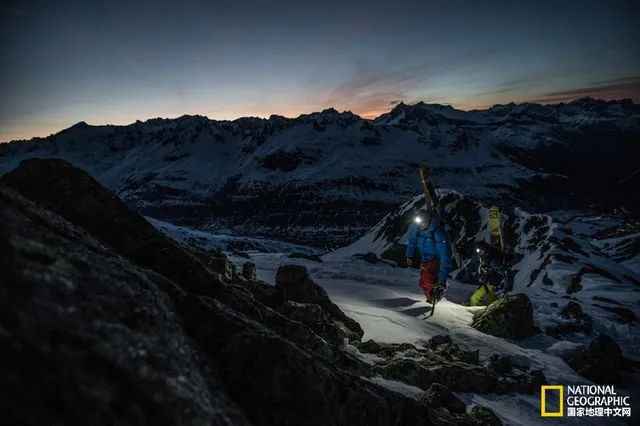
{"x":428,"y":276}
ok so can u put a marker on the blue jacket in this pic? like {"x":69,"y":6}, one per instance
{"x":431,"y":243}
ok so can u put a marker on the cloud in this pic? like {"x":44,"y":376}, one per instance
{"x":372,"y":91}
{"x":619,"y":88}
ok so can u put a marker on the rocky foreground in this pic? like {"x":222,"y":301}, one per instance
{"x":104,"y":320}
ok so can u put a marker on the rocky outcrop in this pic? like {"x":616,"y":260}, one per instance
{"x":446,"y":408}
{"x":440,"y":370}
{"x":601,"y":361}
{"x":456,"y":375}
{"x":444,"y":362}
{"x":278,"y":382}
{"x":509,"y":317}
{"x":513,"y":377}
{"x":70,"y":192}
{"x":440,"y":396}
{"x":295,"y":284}
{"x":318,"y":320}
{"x":89,"y":337}
{"x":249,"y":271}
{"x":221,"y":265}
{"x":484,"y":416}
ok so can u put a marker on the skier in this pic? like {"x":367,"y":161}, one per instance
{"x":428,"y":238}
{"x":490,"y":275}
{"x":491,"y":261}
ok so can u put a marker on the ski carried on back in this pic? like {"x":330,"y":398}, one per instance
{"x":431,"y":200}
{"x":432,"y":204}
{"x":497,"y":240}
{"x":495,"y":228}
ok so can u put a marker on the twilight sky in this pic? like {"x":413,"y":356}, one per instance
{"x":118,"y":61}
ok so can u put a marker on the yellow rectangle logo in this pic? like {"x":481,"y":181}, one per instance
{"x":543,"y":401}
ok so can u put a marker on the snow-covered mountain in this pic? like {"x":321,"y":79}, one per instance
{"x":325,"y":178}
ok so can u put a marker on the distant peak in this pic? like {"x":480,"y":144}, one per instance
{"x":81,"y":125}
{"x":328,"y":115}
{"x":420,"y":108}
{"x":277,"y":117}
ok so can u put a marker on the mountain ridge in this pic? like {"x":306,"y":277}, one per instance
{"x":331,"y":110}
{"x":324,"y":178}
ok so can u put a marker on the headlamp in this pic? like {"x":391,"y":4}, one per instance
{"x":417,"y":219}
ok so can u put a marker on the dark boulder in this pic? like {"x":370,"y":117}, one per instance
{"x":484,"y":416}
{"x":501,"y":364}
{"x":572,"y":310}
{"x":265,"y":293}
{"x":295,"y":284}
{"x":437,"y":340}
{"x":443,"y":417}
{"x":509,"y":317}
{"x":370,"y":346}
{"x":602,"y":361}
{"x":221,"y":265}
{"x":317,"y":319}
{"x":440,"y":396}
{"x":249,"y":271}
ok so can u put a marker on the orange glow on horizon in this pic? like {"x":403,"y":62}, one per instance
{"x":369,"y":109}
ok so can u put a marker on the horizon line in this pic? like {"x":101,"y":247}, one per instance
{"x":364,"y":116}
